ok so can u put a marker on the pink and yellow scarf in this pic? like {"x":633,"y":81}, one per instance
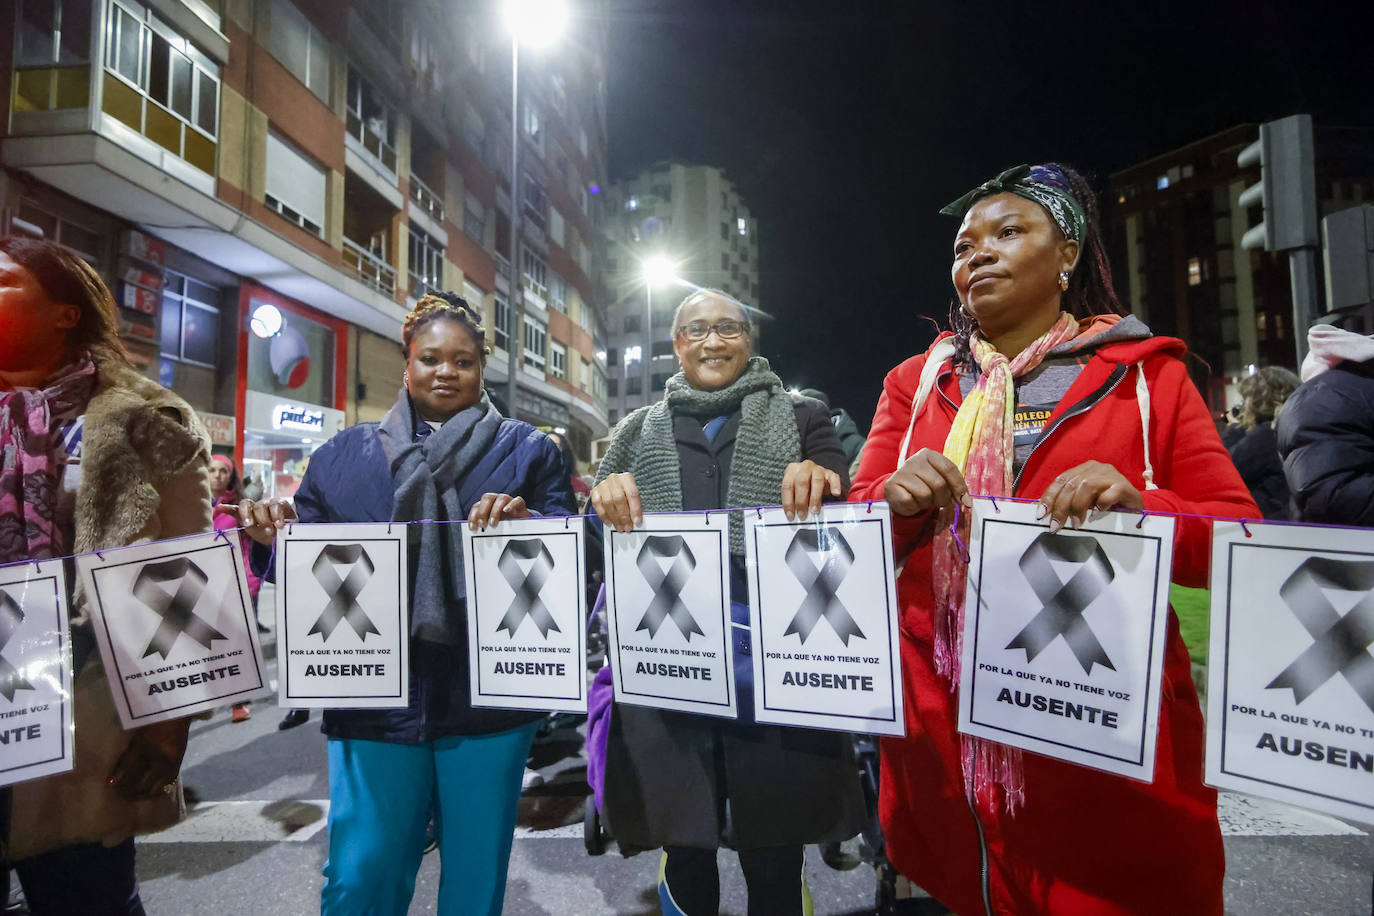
{"x":980,"y":444}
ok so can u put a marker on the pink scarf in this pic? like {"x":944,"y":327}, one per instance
{"x":980,"y":444}
{"x":31,"y":458}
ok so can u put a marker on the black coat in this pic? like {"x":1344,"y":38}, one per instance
{"x":1256,"y":456}
{"x":1326,"y":438}
{"x":669,"y":775}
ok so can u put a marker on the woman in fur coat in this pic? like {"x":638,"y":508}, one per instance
{"x":94,"y":456}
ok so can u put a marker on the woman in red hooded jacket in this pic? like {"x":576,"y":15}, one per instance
{"x":1102,"y":415}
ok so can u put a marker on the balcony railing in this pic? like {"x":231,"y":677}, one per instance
{"x":372,"y":141}
{"x":425,"y":197}
{"x":371,"y":269}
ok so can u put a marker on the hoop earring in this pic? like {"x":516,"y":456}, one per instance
{"x":1064,"y":280}
{"x":405,"y":378}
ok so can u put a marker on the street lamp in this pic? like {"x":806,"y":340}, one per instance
{"x":657,"y":270}
{"x":536,"y":23}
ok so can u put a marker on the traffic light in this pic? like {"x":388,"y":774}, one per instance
{"x":1287,"y":188}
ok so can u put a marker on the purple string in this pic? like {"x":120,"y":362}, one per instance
{"x":1242,"y":521}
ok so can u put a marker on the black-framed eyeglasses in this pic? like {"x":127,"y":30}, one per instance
{"x":726,"y":329}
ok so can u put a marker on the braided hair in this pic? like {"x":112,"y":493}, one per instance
{"x":1090,"y":291}
{"x":443,"y":306}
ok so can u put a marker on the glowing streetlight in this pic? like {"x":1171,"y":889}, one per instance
{"x":658,"y":270}
{"x":537,"y":23}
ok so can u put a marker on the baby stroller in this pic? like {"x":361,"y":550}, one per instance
{"x":595,"y":834}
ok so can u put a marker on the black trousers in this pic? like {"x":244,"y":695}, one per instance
{"x":773,"y":875}
{"x":89,"y":879}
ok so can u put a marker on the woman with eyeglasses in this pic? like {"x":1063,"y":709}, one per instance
{"x":726,"y":434}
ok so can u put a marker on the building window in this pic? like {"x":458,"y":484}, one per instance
{"x":632,"y":203}
{"x":536,"y":274}
{"x":475,"y":220}
{"x":300,"y":47}
{"x":613,"y":387}
{"x":613,"y":356}
{"x":558,"y":293}
{"x":742,"y":225}
{"x":37,"y":223}
{"x":558,"y":360}
{"x":724,"y":260}
{"x":556,"y":228}
{"x":633,"y":325}
{"x":371,"y":120}
{"x":662,"y":348}
{"x":634,"y":384}
{"x":613,"y":417}
{"x":190,"y":321}
{"x":51,"y":55}
{"x":160,"y":85}
{"x":1194,"y":272}
{"x":533,"y":124}
{"x":660,"y":380}
{"x":632,"y":355}
{"x":426,"y":263}
{"x":536,"y":341}
{"x":295,"y":186}
{"x":725,"y":231}
{"x":501,"y":328}
{"x":536,"y":202}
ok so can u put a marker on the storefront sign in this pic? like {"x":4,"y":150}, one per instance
{"x":133,"y":274}
{"x":294,"y":416}
{"x":35,"y":672}
{"x":175,"y":626}
{"x":1291,"y":670}
{"x":824,"y":621}
{"x":527,"y":613}
{"x":1063,"y":650}
{"x":668,"y":603}
{"x":144,"y":247}
{"x":138,"y":299}
{"x":223,"y":428}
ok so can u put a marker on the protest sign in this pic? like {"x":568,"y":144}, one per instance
{"x":668,"y":604}
{"x":1063,"y":642}
{"x":35,"y":672}
{"x":824,"y":619}
{"x":175,"y":626}
{"x":527,"y":614}
{"x":343,"y":616}
{"x":1290,"y":691}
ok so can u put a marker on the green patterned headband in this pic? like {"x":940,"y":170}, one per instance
{"x":1046,"y":185}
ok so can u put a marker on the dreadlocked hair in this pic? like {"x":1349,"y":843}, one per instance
{"x":1090,"y":291}
{"x":443,"y":306}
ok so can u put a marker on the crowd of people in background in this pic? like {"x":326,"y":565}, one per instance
{"x":1042,"y":387}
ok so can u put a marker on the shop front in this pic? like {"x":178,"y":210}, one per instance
{"x":292,"y":391}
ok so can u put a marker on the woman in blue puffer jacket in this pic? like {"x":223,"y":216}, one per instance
{"x":441,"y":452}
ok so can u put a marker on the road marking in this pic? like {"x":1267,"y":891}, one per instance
{"x":1249,"y":815}
{"x":284,"y":820}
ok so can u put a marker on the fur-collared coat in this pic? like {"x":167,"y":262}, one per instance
{"x":144,"y":455}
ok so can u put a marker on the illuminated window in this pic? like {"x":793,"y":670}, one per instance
{"x":1194,"y":272}
{"x":742,"y":225}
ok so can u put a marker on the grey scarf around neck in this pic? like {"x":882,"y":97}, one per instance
{"x":767,"y":442}
{"x":430,"y":478}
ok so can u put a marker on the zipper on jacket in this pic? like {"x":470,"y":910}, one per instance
{"x":1082,"y":406}
{"x":984,"y":881}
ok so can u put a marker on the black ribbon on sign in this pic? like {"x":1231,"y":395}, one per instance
{"x":667,"y":586}
{"x":11,"y":615}
{"x":1341,"y":643}
{"x":1064,"y":602}
{"x":821,"y":581}
{"x":176,"y":607}
{"x":527,"y":586}
{"x":343,"y":590}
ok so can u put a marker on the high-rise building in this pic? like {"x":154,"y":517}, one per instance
{"x":687,"y":216}
{"x":268,"y":185}
{"x":1174,"y":226}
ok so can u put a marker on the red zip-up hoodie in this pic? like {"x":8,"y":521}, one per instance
{"x":1085,"y":841}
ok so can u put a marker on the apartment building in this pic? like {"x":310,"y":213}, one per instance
{"x":269,"y":185}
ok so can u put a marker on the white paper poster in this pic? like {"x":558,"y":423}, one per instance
{"x":668,"y":603}
{"x":824,"y":619}
{"x":175,"y":626}
{"x":527,"y":614}
{"x":1290,"y":690}
{"x":1064,"y":633}
{"x":35,"y":672}
{"x":343,"y":617}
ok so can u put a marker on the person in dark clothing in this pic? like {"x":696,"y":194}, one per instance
{"x":1326,"y":430}
{"x":725,"y":434}
{"x":1255,"y":450}
{"x":444,"y":453}
{"x":851,"y":440}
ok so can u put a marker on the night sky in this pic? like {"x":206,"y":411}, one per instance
{"x":846,"y":125}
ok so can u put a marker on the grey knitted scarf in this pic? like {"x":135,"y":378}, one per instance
{"x":767,"y":442}
{"x":429,"y":475}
